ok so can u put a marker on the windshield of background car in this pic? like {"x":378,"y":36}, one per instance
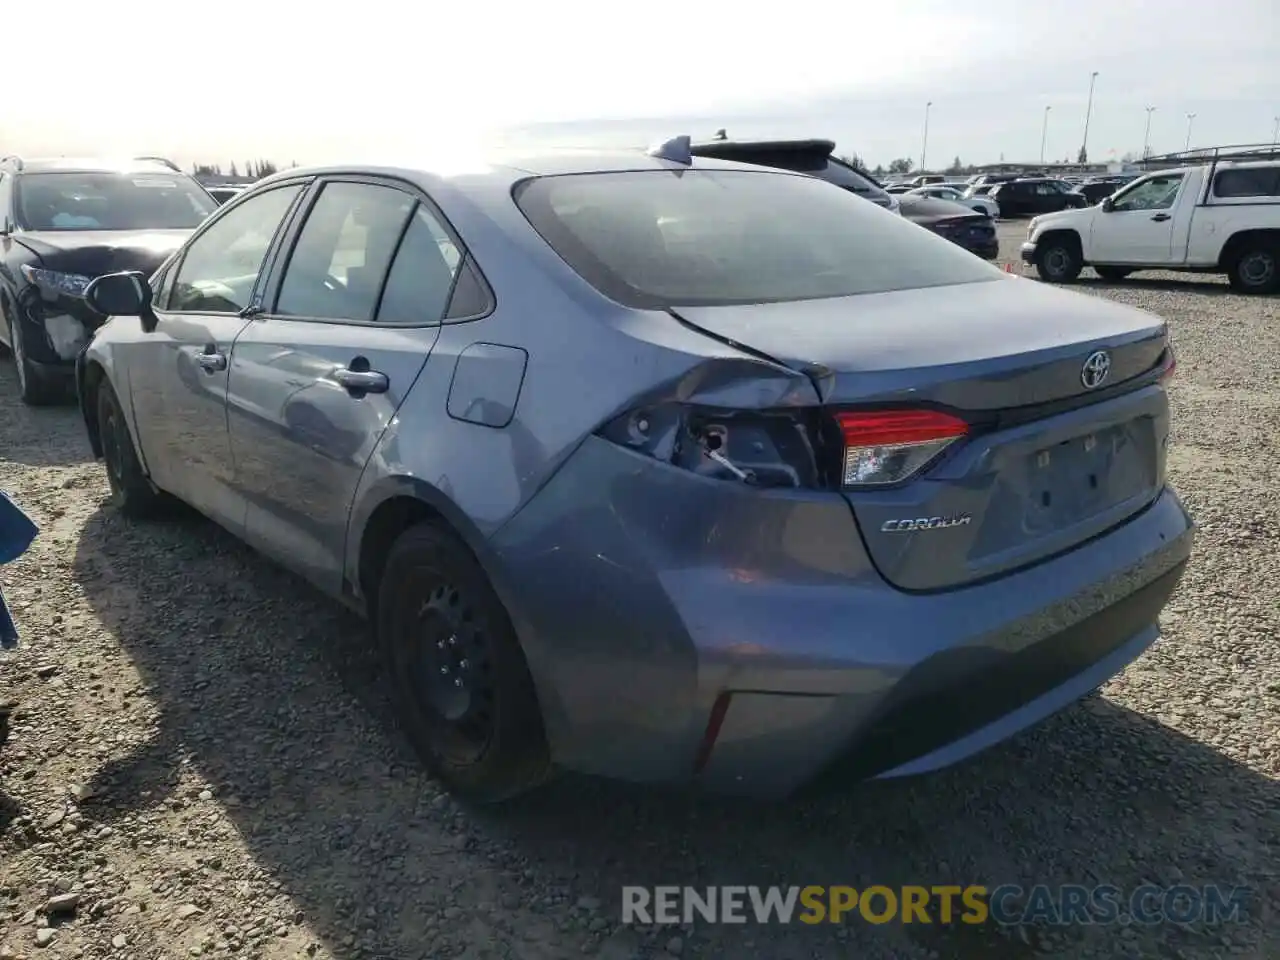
{"x":111,"y":201}
{"x":656,"y":239}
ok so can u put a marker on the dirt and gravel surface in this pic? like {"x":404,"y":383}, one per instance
{"x":202,"y":763}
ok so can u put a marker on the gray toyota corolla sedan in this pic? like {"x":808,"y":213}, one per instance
{"x":656,"y":467}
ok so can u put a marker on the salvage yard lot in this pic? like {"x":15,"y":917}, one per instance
{"x":203,"y":750}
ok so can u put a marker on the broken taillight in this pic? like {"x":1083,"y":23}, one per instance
{"x":762,"y":448}
{"x":889,"y":446}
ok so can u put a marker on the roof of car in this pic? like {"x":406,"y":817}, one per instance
{"x":89,"y":165}
{"x":514,"y":165}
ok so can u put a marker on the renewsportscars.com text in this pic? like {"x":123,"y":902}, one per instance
{"x":1007,"y":904}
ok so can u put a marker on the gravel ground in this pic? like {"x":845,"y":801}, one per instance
{"x":202,"y":762}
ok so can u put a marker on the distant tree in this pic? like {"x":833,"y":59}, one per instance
{"x":956,"y":166}
{"x":293,"y":164}
{"x":233,"y":169}
{"x":854,"y":160}
{"x":879,"y":171}
{"x":1129,"y":157}
{"x":901,"y":165}
{"x":266,"y":168}
{"x":205,"y":170}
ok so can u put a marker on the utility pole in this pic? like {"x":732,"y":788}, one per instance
{"x":1044,"y":132}
{"x":1275,"y":133}
{"x":924,"y":143}
{"x":1088,"y":111}
{"x":1146,"y":137}
{"x":1187,"y":145}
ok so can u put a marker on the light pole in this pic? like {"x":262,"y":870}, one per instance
{"x":1044,"y":133}
{"x":1187,"y":145}
{"x":1275,"y":133}
{"x":1146,"y":137}
{"x":924,"y":143}
{"x":1088,"y":110}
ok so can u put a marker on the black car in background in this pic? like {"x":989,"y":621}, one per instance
{"x":223,"y":192}
{"x":814,"y":157}
{"x":1095,"y":191}
{"x":1031,"y":196}
{"x":962,"y":225}
{"x":64,"y":222}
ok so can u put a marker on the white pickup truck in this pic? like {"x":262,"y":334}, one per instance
{"x":1218,"y":217}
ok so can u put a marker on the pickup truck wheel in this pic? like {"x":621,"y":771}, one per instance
{"x":459,"y":680}
{"x":1112,"y":274}
{"x":1058,"y":261}
{"x":1256,"y":269}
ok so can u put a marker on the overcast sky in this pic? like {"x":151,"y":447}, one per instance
{"x":322,"y":82}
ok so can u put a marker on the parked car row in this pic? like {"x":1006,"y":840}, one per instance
{"x":650,"y":464}
{"x":967,"y":227}
{"x":1218,"y":217}
{"x":1009,"y":195}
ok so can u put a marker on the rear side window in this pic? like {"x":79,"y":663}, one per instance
{"x":422,"y":275}
{"x":654,"y":239}
{"x":1248,"y":182}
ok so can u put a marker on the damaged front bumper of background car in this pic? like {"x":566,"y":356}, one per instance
{"x":58,"y":321}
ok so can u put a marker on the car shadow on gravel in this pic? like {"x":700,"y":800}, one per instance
{"x":269,"y":693}
{"x":38,"y":436}
{"x":1187,"y":283}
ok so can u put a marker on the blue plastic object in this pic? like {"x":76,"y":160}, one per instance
{"x":17,"y":531}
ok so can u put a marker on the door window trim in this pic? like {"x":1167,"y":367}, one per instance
{"x":269,"y":295}
{"x":267,"y":259}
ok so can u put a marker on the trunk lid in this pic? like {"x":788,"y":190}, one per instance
{"x":1050,"y":462}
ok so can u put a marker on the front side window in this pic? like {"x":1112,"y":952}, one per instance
{"x":220,"y":267}
{"x":705,"y":237}
{"x":1157,"y":193}
{"x":111,"y":201}
{"x":338,"y":266}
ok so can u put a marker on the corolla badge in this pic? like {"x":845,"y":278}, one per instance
{"x":1095,"y":369}
{"x":926,"y":523}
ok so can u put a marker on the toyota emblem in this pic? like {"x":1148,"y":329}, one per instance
{"x":1096,"y":369}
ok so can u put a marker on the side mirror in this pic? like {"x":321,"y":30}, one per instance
{"x":1107,"y":204}
{"x":119,"y":294}
{"x":122,"y":295}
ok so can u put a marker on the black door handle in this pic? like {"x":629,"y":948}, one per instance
{"x":1161,"y":217}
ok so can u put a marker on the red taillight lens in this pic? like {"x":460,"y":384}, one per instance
{"x":889,"y":446}
{"x":1167,"y":373}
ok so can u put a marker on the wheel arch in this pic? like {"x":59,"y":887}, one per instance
{"x":89,"y":376}
{"x":1239,"y":240}
{"x":1069,"y":234}
{"x":393,"y":505}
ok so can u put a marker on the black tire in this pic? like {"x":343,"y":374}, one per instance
{"x":131,"y":491}
{"x":461,"y":686}
{"x":1058,"y":260}
{"x":1255,"y":267}
{"x":33,"y":389}
{"x":1112,"y":274}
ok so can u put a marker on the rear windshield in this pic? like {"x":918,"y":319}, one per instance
{"x":111,"y":201}
{"x":655,"y":239}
